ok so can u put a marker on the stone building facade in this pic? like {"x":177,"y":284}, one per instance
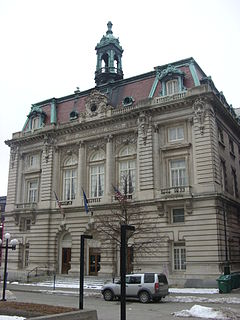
{"x":175,"y":138}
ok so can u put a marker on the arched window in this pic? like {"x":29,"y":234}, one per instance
{"x":127,"y":169}
{"x":97,"y":174}
{"x":70,"y":178}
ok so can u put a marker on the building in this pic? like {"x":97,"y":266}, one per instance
{"x":167,"y":138}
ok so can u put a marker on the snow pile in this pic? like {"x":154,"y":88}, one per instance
{"x":201,"y":312}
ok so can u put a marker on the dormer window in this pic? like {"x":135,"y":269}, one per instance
{"x":172,"y":80}
{"x":127,"y":101}
{"x":73,"y":115}
{"x":172,"y":87}
{"x":37,"y":118}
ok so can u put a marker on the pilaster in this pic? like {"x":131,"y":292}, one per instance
{"x":109,"y":166}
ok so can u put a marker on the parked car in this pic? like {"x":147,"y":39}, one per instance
{"x":144,"y":286}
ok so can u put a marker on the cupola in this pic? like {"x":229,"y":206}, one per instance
{"x":109,"y":58}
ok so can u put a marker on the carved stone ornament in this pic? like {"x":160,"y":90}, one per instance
{"x":97,"y":145}
{"x":13,"y":153}
{"x":161,"y":209}
{"x":199,"y":108}
{"x":48,"y":142}
{"x":189,"y":206}
{"x":143,"y":125}
{"x":126,"y":139}
{"x":96,"y":104}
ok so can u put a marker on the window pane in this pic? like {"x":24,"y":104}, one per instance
{"x":179,"y":257}
{"x":97,"y":181}
{"x":69,"y":184}
{"x":178,"y":215}
{"x":32,"y":191}
{"x":172,"y":86}
{"x":175,"y":134}
{"x":178,"y":173}
{"x":127,"y":176}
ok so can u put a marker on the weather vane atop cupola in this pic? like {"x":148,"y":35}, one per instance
{"x":109,"y":31}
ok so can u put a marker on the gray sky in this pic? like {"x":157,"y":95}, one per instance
{"x":48,"y":48}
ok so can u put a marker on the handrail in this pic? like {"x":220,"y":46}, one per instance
{"x":36,"y":271}
{"x":29,"y":272}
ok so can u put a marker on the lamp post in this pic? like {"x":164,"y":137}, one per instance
{"x":124,"y":229}
{"x":83,"y":236}
{"x":13,"y":244}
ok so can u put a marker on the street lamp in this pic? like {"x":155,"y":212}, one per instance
{"x":13,"y":244}
{"x":124,"y":229}
{"x":83,"y":236}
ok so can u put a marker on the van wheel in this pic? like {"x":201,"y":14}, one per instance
{"x":144,"y":297}
{"x":108,"y":295}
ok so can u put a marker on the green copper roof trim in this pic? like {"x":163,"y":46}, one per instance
{"x":25,"y":124}
{"x":194,"y":73}
{"x":53,"y":111}
{"x":154,"y":86}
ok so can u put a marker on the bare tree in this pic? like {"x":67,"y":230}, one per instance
{"x":144,"y":241}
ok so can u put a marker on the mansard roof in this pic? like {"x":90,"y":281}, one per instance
{"x":138,"y":88}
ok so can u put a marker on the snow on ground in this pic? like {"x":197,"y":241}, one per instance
{"x":222,"y":300}
{"x":11,"y":318}
{"x":194,"y":290}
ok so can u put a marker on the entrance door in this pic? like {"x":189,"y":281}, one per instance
{"x":66,"y":259}
{"x":94,"y":261}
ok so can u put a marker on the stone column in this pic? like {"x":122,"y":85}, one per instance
{"x":109,"y":167}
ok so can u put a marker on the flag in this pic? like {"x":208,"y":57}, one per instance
{"x":59,"y":204}
{"x":85,"y":199}
{"x":118,"y":195}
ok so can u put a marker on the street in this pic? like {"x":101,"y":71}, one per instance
{"x":111,"y":310}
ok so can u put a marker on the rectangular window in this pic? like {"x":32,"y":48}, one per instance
{"x":97,"y":181}
{"x":69,"y":184}
{"x":231,"y":146}
{"x":175,"y":134}
{"x":177,"y":215}
{"x":23,"y":255}
{"x":172,"y":87}
{"x":178,"y":173}
{"x":235,"y":184}
{"x":32,"y":191}
{"x":32,"y":161}
{"x":27,"y":249}
{"x":179,"y":256}
{"x":223,"y":175}
{"x":127,"y":176}
{"x":25,"y":224}
{"x":220,"y":135}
